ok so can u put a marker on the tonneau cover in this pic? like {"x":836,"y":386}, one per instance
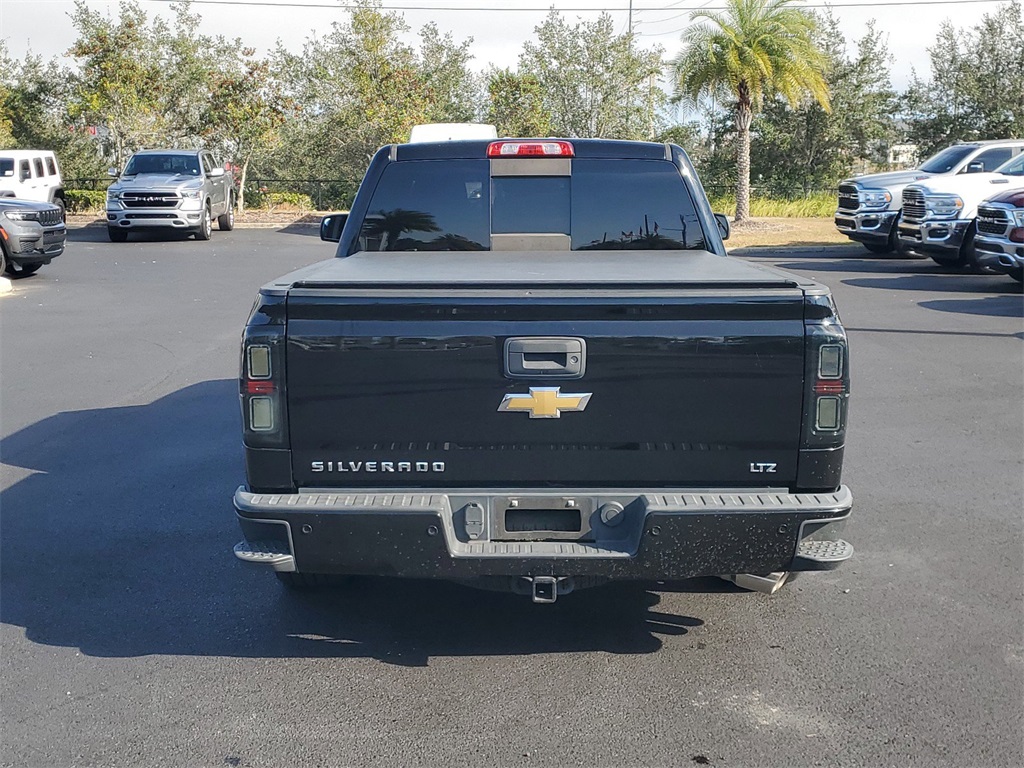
{"x":551,"y":268}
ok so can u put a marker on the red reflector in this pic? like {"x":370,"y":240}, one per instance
{"x":829,"y":388}
{"x":259,"y":387}
{"x":530,"y":149}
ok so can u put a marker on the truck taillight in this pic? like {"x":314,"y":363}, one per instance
{"x":826,"y":377}
{"x":261,"y":376}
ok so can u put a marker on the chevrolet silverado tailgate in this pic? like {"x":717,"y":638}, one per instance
{"x":457,"y":370}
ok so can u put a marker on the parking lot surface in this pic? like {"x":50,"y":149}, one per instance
{"x":131,"y":636}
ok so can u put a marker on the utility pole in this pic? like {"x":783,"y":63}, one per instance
{"x":630,"y":18}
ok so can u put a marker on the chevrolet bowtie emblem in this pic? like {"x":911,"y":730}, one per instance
{"x":545,"y":402}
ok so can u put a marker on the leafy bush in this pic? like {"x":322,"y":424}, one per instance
{"x":85,"y":200}
{"x":822,"y":204}
{"x":279,"y":201}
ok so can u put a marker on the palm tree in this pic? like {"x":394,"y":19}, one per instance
{"x":755,"y":48}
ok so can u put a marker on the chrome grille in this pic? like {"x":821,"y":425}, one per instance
{"x":913,"y":204}
{"x":848,"y":199}
{"x":50,"y":217}
{"x":993,"y":221}
{"x":149,"y":199}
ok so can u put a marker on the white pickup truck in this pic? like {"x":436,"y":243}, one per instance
{"x":870,"y":206}
{"x":939,"y":214}
{"x":170,"y":189}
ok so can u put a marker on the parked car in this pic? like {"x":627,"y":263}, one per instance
{"x":31,"y":174}
{"x":869,"y":206}
{"x":999,"y":244}
{"x":31,"y":234}
{"x":170,"y":189}
{"x":938,"y":214}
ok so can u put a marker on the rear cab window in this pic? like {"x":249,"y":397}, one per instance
{"x":603,"y":204}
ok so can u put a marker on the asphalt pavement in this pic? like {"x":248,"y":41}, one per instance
{"x":130,"y":635}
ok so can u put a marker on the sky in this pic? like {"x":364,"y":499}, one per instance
{"x":497,"y":35}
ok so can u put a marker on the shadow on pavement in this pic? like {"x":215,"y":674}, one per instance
{"x":305,"y":230}
{"x":991,"y":306}
{"x":119,"y":544}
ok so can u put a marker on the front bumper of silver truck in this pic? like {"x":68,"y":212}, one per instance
{"x":934,"y":237}
{"x":463,"y":535}
{"x":168,"y":211}
{"x":872,"y":227}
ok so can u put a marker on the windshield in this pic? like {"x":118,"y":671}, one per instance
{"x":1013,"y":167}
{"x":947,"y":159}
{"x":184,"y":165}
{"x":606,"y":204}
{"x":6,"y":166}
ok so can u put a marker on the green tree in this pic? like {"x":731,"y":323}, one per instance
{"x":245,"y":112}
{"x":976,"y":88}
{"x":516,"y":105}
{"x":754,"y":48}
{"x":122,"y":77}
{"x":593,"y":82}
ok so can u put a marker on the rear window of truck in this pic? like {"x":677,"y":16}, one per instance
{"x":606,"y":204}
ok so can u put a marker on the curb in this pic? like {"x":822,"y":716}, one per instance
{"x":5,"y":285}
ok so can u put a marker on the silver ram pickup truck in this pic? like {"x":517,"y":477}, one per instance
{"x":170,"y":189}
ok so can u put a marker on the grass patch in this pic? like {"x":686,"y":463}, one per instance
{"x":819,"y":205}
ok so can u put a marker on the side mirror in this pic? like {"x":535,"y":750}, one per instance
{"x":215,"y":172}
{"x":723,"y":225}
{"x":112,"y":172}
{"x":331,"y":226}
{"x":975,"y":167}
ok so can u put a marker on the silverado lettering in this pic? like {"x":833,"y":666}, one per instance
{"x":474,"y":279}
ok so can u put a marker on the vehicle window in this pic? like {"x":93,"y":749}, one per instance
{"x":632,"y":205}
{"x":414,"y":208}
{"x":6,"y":166}
{"x":606,"y":204}
{"x":25,"y":172}
{"x":207,"y":163}
{"x":1014,"y":167}
{"x":184,"y":165}
{"x":991,"y":159}
{"x":38,"y":163}
{"x":946,"y":160}
{"x":51,"y":167}
{"x":530,"y":204}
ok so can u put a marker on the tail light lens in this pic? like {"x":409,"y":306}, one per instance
{"x":827,"y":377}
{"x":262,"y":376}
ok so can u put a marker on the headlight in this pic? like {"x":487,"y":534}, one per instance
{"x":944,"y":205}
{"x":22,"y":215}
{"x":113,"y":194}
{"x":873,"y":198}
{"x":191,"y":193}
{"x":1018,"y":216}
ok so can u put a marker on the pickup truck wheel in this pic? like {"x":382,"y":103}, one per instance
{"x":226,"y":221}
{"x":878,"y":247}
{"x":1017,"y":274}
{"x":59,"y":202}
{"x":3,"y":258}
{"x":205,"y":228}
{"x":117,"y":235}
{"x":965,"y":257}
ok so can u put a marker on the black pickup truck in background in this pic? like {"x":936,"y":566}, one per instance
{"x":532,"y":365}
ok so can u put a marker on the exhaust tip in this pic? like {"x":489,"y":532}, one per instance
{"x":767,"y":585}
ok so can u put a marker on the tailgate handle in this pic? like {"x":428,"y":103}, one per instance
{"x":545,"y":358}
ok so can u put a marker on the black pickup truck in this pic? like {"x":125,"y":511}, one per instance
{"x":533,"y":366}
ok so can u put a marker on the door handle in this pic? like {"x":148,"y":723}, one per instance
{"x":545,"y":357}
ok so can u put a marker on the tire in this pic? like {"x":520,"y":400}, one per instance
{"x":1017,"y":274}
{"x":117,"y":235}
{"x":226,"y":221}
{"x":59,"y":202}
{"x":302,"y":581}
{"x":205,"y":228}
{"x":3,"y":258}
{"x":965,"y":257}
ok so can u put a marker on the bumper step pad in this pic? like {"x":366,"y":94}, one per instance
{"x":823,"y":555}
{"x":266,"y":553}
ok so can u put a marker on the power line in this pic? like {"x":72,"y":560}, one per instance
{"x":603,"y":9}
